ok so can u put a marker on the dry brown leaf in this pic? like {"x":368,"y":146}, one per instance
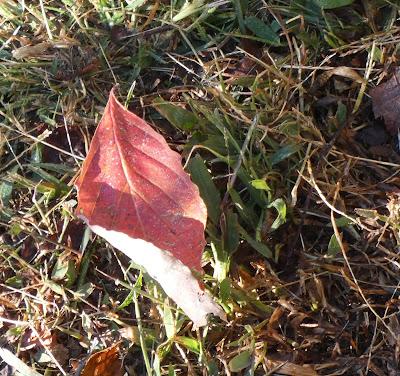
{"x":386,"y":102}
{"x":342,"y":71}
{"x":31,"y":51}
{"x":291,"y":369}
{"x":104,"y":363}
{"x":346,"y":72}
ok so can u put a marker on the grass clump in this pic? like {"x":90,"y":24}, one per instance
{"x":268,"y":104}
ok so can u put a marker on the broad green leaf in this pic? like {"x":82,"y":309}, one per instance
{"x":283,"y":153}
{"x":59,"y":168}
{"x":225,"y":290}
{"x":6,"y":188}
{"x":189,"y":8}
{"x":71,"y":273}
{"x":240,"y":361}
{"x":163,"y":349}
{"x":280,"y":207}
{"x":257,"y":195}
{"x":343,"y":222}
{"x":333,"y":246}
{"x":15,"y":229}
{"x":262,"y":30}
{"x":15,"y":281}
{"x":37,"y":153}
{"x":260,"y":184}
{"x":177,"y":116}
{"x":15,"y":331}
{"x":42,"y":357}
{"x":87,"y":324}
{"x":60,"y":269}
{"x":55,"y":287}
{"x":367,"y":213}
{"x":212,"y":367}
{"x":64,"y":270}
{"x":48,"y":188}
{"x":217,"y":143}
{"x":348,"y":225}
{"x":171,"y":370}
{"x":133,"y":5}
{"x":48,"y":177}
{"x":127,"y":301}
{"x":246,"y":214}
{"x":222,"y":261}
{"x":169,"y":322}
{"x":230,"y":235}
{"x":209,"y":193}
{"x":332,"y":4}
{"x":341,"y":113}
{"x":258,"y":246}
{"x":190,"y":343}
{"x":84,"y":291}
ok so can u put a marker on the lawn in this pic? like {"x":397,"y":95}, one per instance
{"x":284,"y":114}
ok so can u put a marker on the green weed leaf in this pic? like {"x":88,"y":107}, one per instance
{"x":190,"y":343}
{"x":240,"y":361}
{"x":332,"y":4}
{"x":208,"y":192}
{"x":333,"y":246}
{"x":179,"y":117}
{"x":262,"y":30}
{"x":283,"y":153}
{"x":280,"y":207}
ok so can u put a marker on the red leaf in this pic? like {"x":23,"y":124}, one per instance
{"x":386,"y":102}
{"x":133,"y":192}
{"x":104,"y":363}
{"x":132,"y":182}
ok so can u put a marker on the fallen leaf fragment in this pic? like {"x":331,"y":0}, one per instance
{"x":287,"y":368}
{"x":31,"y":51}
{"x":386,"y":102}
{"x":104,"y":363}
{"x":134,"y":193}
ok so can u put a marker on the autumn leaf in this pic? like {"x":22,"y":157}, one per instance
{"x":386,"y":102}
{"x":104,"y":363}
{"x":133,"y":192}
